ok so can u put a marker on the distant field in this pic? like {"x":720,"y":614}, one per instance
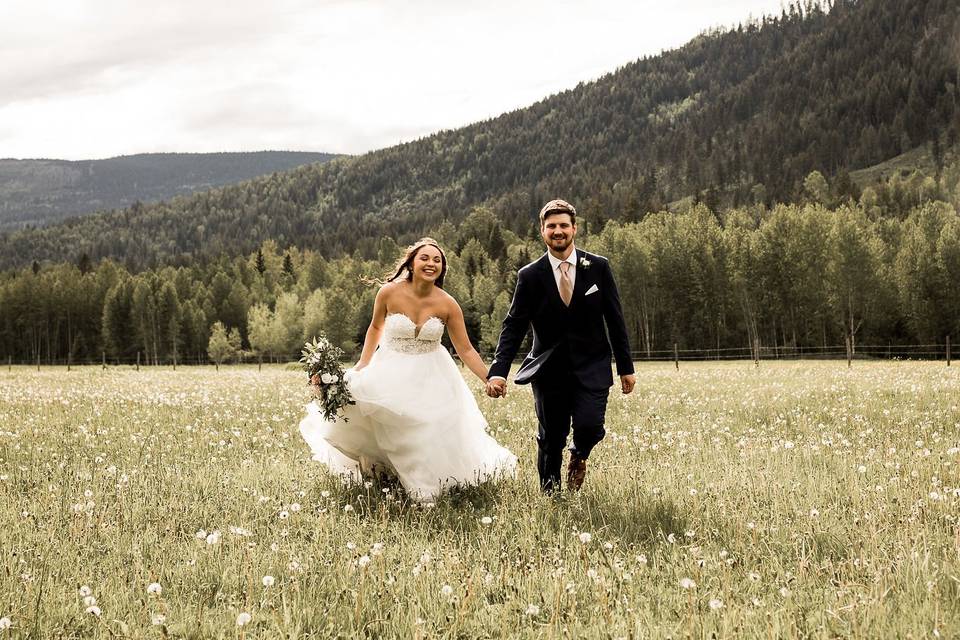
{"x":795,"y":499}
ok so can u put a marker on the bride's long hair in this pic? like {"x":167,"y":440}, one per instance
{"x":404,"y":268}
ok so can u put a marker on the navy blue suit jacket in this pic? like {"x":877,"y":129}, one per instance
{"x":574,"y":336}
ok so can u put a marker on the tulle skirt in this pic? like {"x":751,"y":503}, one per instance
{"x":415,"y":417}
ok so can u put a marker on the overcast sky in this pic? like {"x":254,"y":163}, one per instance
{"x":86,"y":79}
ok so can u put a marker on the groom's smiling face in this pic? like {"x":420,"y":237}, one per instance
{"x":558,"y":231}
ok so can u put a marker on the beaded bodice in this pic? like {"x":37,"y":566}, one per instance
{"x":400,"y":334}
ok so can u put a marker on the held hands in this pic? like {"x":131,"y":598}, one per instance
{"x":497,"y":388}
{"x":627,"y":383}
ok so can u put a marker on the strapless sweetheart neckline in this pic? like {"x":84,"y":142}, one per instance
{"x":416,"y":329}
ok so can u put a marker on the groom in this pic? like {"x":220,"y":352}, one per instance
{"x":571,"y":300}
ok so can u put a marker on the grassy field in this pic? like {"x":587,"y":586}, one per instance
{"x":790,"y":500}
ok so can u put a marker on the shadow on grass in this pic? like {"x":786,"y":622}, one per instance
{"x":459,"y":508}
{"x":645,"y":521}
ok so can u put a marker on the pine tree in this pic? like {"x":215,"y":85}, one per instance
{"x":84,"y":264}
{"x":261,"y":264}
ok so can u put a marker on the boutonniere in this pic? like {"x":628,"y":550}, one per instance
{"x":584,"y":263}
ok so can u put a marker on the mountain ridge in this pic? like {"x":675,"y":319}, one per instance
{"x":41,"y":191}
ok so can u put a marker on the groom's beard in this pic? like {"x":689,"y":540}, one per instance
{"x":560,"y":244}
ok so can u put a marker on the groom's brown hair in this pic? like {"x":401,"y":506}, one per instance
{"x":557,"y":206}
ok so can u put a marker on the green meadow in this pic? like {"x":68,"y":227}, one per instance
{"x":796,"y":499}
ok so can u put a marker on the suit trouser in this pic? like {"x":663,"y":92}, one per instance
{"x":561,"y":402}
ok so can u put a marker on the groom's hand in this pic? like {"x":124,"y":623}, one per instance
{"x":627,"y":383}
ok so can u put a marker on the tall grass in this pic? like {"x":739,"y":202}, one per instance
{"x":789,"y":500}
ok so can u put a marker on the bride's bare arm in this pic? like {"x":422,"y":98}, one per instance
{"x":375,"y":330}
{"x":461,"y":342}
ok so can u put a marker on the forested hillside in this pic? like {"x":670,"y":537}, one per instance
{"x":734,"y":118}
{"x":883,"y":270}
{"x":40,"y":192}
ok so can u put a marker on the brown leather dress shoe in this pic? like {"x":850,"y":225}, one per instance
{"x":576,"y":472}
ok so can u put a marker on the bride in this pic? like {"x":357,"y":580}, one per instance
{"x":414,"y":414}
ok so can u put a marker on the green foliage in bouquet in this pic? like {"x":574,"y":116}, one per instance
{"x":321,"y":360}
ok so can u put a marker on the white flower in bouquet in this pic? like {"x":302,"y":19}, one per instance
{"x":321,"y":361}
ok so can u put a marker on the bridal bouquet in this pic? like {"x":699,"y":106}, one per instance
{"x":321,"y":361}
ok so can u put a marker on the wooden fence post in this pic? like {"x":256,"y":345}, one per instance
{"x":849,"y":354}
{"x":756,"y":352}
{"x":68,"y":361}
{"x":38,"y":361}
{"x":259,"y":362}
{"x":9,"y":363}
{"x":676,"y":357}
{"x":103,"y":355}
{"x":948,"y":351}
{"x":138,"y":361}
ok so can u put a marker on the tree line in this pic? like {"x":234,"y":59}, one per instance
{"x":883,"y":268}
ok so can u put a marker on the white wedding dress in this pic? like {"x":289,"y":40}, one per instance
{"x":414,"y":415}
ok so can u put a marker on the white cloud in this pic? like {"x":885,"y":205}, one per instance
{"x":93,"y":78}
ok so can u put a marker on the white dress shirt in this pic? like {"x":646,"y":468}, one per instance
{"x":571,"y":272}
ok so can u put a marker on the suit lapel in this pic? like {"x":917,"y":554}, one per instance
{"x":550,"y":282}
{"x":580,"y":285}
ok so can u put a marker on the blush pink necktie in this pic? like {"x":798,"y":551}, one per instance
{"x":566,"y":286}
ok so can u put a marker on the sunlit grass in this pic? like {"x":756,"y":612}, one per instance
{"x":797,"y":499}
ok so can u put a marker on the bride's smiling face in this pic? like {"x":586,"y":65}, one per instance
{"x":428,"y":264}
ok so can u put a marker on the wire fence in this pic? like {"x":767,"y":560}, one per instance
{"x":826,"y":352}
{"x":849,"y":352}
